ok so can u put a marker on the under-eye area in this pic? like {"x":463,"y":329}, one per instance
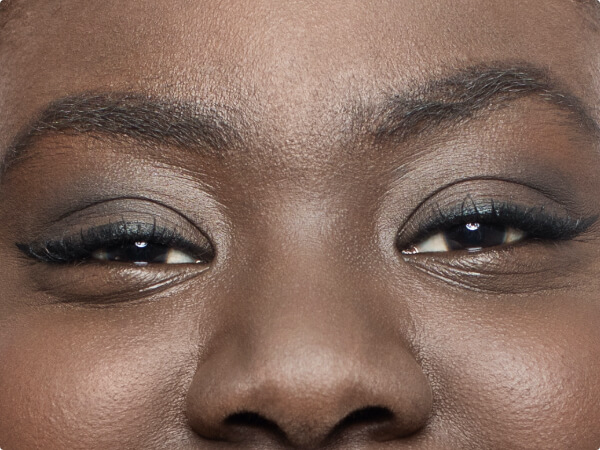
{"x":532,"y":267}
{"x":498,"y":236}
{"x":111,"y":284}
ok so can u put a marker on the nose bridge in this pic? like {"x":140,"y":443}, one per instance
{"x":305,"y":279}
{"x":307,"y":347}
{"x":309,"y":314}
{"x":302,"y":297}
{"x":302,"y":283}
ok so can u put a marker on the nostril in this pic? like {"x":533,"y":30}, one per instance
{"x":252,"y":420}
{"x":370,"y":419}
{"x":368,"y":415}
{"x":373,"y":420}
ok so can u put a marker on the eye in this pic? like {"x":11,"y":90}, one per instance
{"x":471,"y":236}
{"x":142,"y":253}
{"x":124,"y":242}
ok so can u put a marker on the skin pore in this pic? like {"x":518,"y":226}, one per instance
{"x":299,"y":184}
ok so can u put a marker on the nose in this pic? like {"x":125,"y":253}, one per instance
{"x":308,"y":361}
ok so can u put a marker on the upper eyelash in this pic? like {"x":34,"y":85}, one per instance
{"x":534,"y":221}
{"x":78,"y":248}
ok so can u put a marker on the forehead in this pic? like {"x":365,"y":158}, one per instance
{"x":296,"y":65}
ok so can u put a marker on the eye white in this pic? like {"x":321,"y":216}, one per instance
{"x":179,"y":257}
{"x":433,"y":244}
{"x":101,"y":255}
{"x":513,"y":235}
{"x":172,"y":256}
{"x":437,"y":243}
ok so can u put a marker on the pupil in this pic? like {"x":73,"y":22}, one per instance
{"x":139,"y":252}
{"x":474,"y":236}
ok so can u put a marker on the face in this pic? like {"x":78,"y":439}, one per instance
{"x":277,"y":224}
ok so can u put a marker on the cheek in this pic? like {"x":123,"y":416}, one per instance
{"x":78,"y":377}
{"x":525,"y":376}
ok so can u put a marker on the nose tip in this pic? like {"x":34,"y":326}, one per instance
{"x":313,"y":398}
{"x":309,"y":354}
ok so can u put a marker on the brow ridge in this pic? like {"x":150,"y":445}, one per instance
{"x":444,"y":102}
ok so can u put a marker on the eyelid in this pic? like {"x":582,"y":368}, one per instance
{"x":537,"y":222}
{"x":79,"y":247}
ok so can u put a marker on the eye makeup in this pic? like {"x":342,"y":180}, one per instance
{"x":506,"y":222}
{"x":133,"y":242}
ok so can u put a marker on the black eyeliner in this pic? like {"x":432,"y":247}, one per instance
{"x":536,"y":222}
{"x":79,"y":247}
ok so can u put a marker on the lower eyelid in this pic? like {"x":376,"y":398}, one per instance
{"x":512,"y":269}
{"x":98,"y":285}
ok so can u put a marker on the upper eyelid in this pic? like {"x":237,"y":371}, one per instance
{"x":75,"y":222}
{"x":138,"y":199}
{"x":530,"y":219}
{"x":451,"y":218}
{"x":77,"y":248}
{"x":474,"y":179}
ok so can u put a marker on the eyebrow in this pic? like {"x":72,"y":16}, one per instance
{"x":140,"y":117}
{"x":451,"y":101}
{"x":440,"y":103}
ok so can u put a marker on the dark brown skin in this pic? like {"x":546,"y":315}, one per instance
{"x":309,"y":327}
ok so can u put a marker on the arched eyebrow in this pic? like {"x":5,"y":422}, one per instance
{"x":143,"y":118}
{"x":438,"y":104}
{"x":450,"y":101}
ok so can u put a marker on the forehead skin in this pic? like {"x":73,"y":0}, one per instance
{"x":290,"y":314}
{"x":311,"y":68}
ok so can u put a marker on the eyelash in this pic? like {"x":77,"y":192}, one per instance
{"x":535,"y":222}
{"x":80,"y":248}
